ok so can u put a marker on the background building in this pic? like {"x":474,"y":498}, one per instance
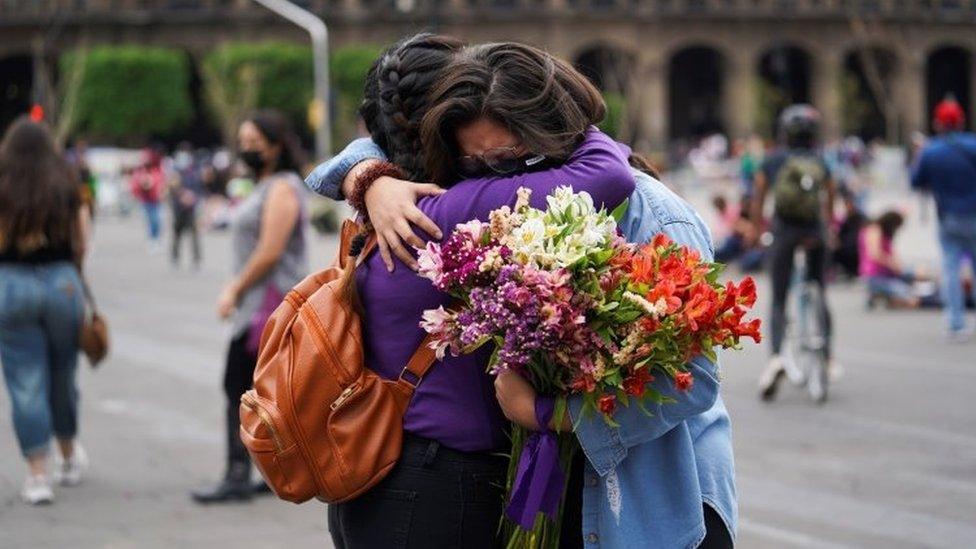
{"x":677,"y":69}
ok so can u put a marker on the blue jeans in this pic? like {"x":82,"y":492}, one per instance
{"x":152,"y":210}
{"x":40,"y":318}
{"x":957,"y":235}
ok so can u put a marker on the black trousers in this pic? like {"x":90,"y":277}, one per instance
{"x":434,"y":498}
{"x":787,"y":239}
{"x":183,"y":222}
{"x":238,"y":378}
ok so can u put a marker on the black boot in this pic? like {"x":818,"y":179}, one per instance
{"x":236,"y":485}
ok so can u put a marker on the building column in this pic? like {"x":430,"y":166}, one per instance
{"x":652,"y":95}
{"x":739,"y":93}
{"x":827,"y":69}
{"x":909,"y":93}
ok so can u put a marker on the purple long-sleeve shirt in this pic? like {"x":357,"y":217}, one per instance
{"x":455,"y":404}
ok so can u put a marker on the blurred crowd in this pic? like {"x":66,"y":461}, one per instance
{"x":862,"y":246}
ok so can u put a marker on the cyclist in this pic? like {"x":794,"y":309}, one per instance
{"x":803,"y":194}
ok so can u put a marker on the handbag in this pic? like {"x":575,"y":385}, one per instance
{"x":94,"y":339}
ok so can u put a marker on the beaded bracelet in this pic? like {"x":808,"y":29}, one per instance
{"x":365,"y":180}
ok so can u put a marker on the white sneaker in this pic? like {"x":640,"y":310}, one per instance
{"x":37,"y":490}
{"x":960,"y":336}
{"x":68,"y":472}
{"x":770,"y":378}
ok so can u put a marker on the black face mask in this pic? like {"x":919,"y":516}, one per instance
{"x":254,"y":160}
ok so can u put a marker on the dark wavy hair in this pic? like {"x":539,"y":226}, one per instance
{"x":276,"y":128}
{"x":39,"y":191}
{"x":543,"y":100}
{"x":396,"y":95}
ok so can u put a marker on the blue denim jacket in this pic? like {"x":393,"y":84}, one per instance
{"x":645,"y":481}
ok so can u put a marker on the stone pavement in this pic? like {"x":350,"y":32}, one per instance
{"x":888,"y":462}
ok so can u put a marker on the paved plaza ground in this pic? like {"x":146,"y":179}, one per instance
{"x":888,"y":462}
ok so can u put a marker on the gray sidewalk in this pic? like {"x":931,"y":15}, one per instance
{"x":889,"y":462}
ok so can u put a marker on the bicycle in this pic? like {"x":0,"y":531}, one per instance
{"x":805,"y":356}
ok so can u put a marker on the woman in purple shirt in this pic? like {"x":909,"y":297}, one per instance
{"x":447,"y":489}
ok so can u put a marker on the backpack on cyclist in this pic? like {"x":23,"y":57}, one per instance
{"x":798,"y":189}
{"x":318,"y":423}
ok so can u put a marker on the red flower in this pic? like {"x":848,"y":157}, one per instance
{"x":641,"y":269}
{"x":700,"y":309}
{"x":673,"y":268}
{"x":683,"y":381}
{"x":665,"y":290}
{"x":749,"y":329}
{"x":607,"y":404}
{"x":635,"y":382}
{"x":747,"y":292}
{"x":661,"y":240}
{"x":583,"y":384}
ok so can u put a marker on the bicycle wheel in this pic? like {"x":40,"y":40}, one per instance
{"x":812,"y":341}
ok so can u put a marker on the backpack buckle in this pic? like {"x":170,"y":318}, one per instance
{"x":409,"y":378}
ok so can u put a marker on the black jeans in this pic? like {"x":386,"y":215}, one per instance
{"x":185,"y":221}
{"x":238,"y":378}
{"x":787,"y":238}
{"x":434,"y":498}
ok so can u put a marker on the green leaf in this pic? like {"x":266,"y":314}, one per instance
{"x":619,"y":211}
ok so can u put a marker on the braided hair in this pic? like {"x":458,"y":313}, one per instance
{"x":396,"y":96}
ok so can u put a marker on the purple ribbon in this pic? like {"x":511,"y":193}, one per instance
{"x":539,"y":481}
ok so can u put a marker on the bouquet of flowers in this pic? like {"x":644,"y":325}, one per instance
{"x":570,"y":305}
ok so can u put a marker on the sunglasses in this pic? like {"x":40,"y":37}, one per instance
{"x":500,"y":160}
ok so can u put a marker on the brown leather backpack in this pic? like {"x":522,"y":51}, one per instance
{"x":318,"y":422}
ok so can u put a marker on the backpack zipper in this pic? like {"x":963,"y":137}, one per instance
{"x":248,"y":400}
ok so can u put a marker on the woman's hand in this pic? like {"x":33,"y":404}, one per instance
{"x":227,"y":302}
{"x":392,"y":207}
{"x":516,"y":396}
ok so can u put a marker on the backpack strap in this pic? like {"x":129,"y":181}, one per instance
{"x":418,"y":366}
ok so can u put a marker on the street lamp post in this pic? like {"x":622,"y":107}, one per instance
{"x":320,"y":64}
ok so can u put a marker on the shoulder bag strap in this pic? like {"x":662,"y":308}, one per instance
{"x":418,"y":366}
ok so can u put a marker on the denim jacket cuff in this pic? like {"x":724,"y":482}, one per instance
{"x":326,"y":179}
{"x":601,"y":443}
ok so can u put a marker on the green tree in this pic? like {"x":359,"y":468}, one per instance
{"x":129,"y":92}
{"x":348,"y":67}
{"x":770,"y":101}
{"x":616,"y":104}
{"x":240,"y":76}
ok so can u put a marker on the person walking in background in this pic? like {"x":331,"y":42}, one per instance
{"x":184,"y":194}
{"x":43,"y":228}
{"x":147,"y":183}
{"x":269,"y":254}
{"x":947,"y":169}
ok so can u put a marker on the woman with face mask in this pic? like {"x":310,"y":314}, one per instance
{"x":268,"y":237}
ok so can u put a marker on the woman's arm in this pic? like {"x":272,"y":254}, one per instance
{"x":278,"y":219}
{"x":598,"y":166}
{"x":327,"y":179}
{"x":391,"y":203}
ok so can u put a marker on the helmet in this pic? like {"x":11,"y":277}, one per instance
{"x":799,"y":123}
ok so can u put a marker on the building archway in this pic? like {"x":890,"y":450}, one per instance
{"x":16,"y":79}
{"x":867,"y":94}
{"x":611,"y":69}
{"x":947,"y":72}
{"x":784,"y":79}
{"x":696,"y":77}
